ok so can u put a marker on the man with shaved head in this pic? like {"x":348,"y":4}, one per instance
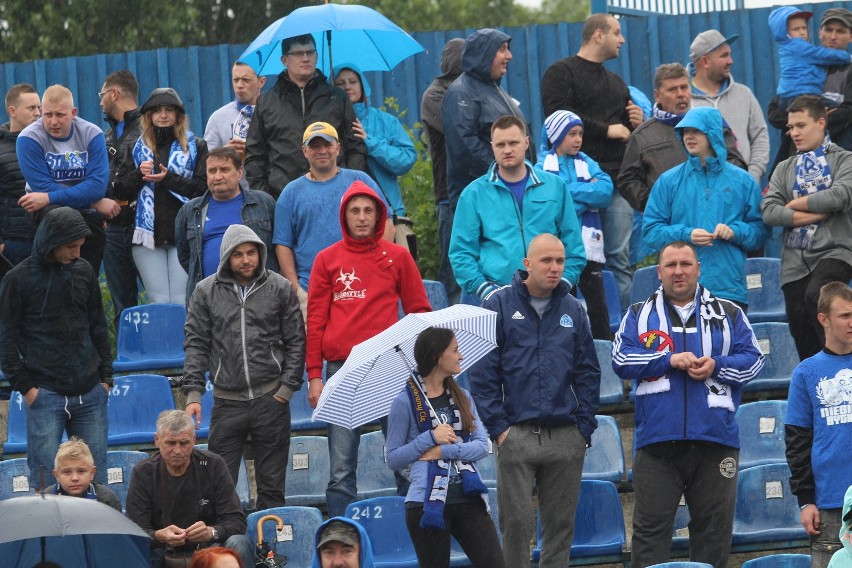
{"x":537,"y":395}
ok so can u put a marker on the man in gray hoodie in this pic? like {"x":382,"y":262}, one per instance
{"x":243,"y":324}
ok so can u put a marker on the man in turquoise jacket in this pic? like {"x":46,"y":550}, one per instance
{"x":710,"y":204}
{"x":499,"y":214}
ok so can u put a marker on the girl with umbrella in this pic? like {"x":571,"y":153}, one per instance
{"x":433,"y":425}
{"x":164,"y":169}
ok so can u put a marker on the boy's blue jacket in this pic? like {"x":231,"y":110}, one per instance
{"x":586,"y":195}
{"x":366,"y":558}
{"x":690,"y":196}
{"x":544,"y":370}
{"x":802,"y":63}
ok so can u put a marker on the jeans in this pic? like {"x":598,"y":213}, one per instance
{"x":445,"y":271}
{"x":84,"y":416}
{"x":16,"y":229}
{"x":119,"y":268}
{"x":163,"y":276}
{"x":827,"y":542}
{"x":617,"y":226}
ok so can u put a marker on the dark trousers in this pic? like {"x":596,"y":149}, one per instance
{"x":800,"y":299}
{"x":268,"y":422}
{"x":706,"y":475}
{"x":119,"y":268}
{"x":827,"y":542}
{"x":473,"y":528}
{"x":592,"y":286}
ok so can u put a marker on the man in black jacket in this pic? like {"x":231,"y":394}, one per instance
{"x":301,"y":97}
{"x":54,"y":344}
{"x":119,"y":102}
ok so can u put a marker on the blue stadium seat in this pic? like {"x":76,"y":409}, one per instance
{"x":301,"y":411}
{"x":242,"y":484}
{"x":14,"y":478}
{"x":297,"y":538}
{"x":487,"y":466}
{"x":766,"y":511}
{"x":375,"y":478}
{"x":119,"y":467}
{"x":384,"y":520}
{"x":613,"y":300}
{"x":680,"y":530}
{"x":437,"y":295}
{"x":605,"y":458}
{"x":765,"y":300}
{"x":598,"y":524}
{"x":780,"y":561}
{"x":470,"y":299}
{"x":781,"y":357}
{"x":645,"y":281}
{"x":307,"y":471}
{"x":135,"y":402}
{"x":206,"y":409}
{"x":762,"y":432}
{"x":16,"y":426}
{"x":612,"y":387}
{"x":150,"y":337}
{"x":681,"y":565}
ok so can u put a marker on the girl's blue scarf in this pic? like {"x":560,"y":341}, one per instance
{"x":813,"y":174}
{"x":438,"y":475}
{"x":180,"y":163}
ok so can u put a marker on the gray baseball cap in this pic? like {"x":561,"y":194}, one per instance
{"x":339,"y":531}
{"x":708,"y":41}
{"x":842,"y":15}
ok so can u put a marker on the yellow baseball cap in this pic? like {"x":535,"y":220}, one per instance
{"x":322,"y":129}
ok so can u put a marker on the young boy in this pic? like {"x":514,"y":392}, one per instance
{"x":591,"y":189}
{"x":74,"y":468}
{"x":802,"y":63}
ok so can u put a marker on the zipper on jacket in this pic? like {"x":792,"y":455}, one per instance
{"x":243,"y":336}
{"x":302,"y":93}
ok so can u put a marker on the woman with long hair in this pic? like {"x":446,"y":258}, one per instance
{"x":164,"y":169}
{"x":433,"y":425}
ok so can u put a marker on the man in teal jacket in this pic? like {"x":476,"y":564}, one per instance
{"x":499,"y":214}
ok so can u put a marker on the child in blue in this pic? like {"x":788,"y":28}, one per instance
{"x":591,"y":189}
{"x":803,"y":65}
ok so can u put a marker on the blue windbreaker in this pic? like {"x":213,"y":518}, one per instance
{"x":690,"y":196}
{"x":366,"y":558}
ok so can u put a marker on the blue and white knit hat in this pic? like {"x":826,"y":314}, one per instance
{"x":558,"y":124}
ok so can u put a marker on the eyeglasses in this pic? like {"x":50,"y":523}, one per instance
{"x":308,"y":53}
{"x":102,"y":93}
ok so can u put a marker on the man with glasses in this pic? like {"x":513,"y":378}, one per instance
{"x":302,"y":96}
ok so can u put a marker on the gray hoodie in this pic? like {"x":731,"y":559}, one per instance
{"x":251,"y":339}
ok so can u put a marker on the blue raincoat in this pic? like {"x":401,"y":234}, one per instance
{"x":366,"y":557}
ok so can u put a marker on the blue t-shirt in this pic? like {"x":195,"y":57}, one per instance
{"x":820,"y":398}
{"x":220,"y":216}
{"x":307,"y":216}
{"x":517,"y":188}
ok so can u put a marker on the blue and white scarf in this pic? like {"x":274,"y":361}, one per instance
{"x":89,"y":494}
{"x":243,"y":121}
{"x":813,"y":174}
{"x":655,"y":332}
{"x":438,"y":474}
{"x":180,"y":163}
{"x":666,"y":117}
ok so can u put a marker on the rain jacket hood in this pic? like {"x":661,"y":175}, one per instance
{"x":843,"y":557}
{"x":451,"y":68}
{"x":366,"y":558}
{"x":235,"y":236}
{"x":709,"y":121}
{"x":451,"y":59}
{"x":361,"y":189}
{"x":778,"y":21}
{"x":479,"y":51}
{"x":366,"y":91}
{"x":60,"y":226}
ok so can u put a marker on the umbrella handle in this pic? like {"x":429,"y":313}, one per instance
{"x":263,"y":519}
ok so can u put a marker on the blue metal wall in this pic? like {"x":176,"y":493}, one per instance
{"x":201,"y":74}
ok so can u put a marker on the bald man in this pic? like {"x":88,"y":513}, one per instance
{"x":544,"y":345}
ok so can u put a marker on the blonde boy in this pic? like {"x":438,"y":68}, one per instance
{"x":74,"y":469}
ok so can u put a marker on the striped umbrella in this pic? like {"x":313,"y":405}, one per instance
{"x":377,"y":369}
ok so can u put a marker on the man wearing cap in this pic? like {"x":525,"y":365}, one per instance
{"x":302,"y":96}
{"x":342,"y":543}
{"x":308,"y":210}
{"x":713,"y":85}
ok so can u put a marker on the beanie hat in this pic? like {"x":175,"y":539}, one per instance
{"x":558,"y":125}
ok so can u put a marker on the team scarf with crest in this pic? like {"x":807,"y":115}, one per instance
{"x":438,"y":473}
{"x":180,"y":163}
{"x":715,"y":330}
{"x":813,"y":174}
{"x":666,"y":117}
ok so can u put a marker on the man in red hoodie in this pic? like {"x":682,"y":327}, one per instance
{"x":356,"y":285}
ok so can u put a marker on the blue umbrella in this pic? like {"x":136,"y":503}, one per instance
{"x":351,"y":33}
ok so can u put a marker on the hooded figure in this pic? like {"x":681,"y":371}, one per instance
{"x":695,"y":196}
{"x":843,"y":557}
{"x":390,"y":151}
{"x":365,"y":556}
{"x":472,"y":103}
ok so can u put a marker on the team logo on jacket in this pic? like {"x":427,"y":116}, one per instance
{"x":566,"y":321}
{"x":835,"y":398}
{"x":347,"y":280}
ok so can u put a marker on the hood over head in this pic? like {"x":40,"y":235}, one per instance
{"x":365,"y":559}
{"x":366,"y":91}
{"x":778,"y":20}
{"x":451,"y":58}
{"x":480,"y":47}
{"x":709,"y":121}
{"x":60,"y":226}
{"x":359,"y":188}
{"x":163,"y":96}
{"x":234,"y":236}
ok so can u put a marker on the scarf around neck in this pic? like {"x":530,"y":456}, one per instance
{"x":666,"y":117}
{"x":813,"y":174}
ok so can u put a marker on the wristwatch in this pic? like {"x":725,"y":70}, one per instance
{"x":215,"y":533}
